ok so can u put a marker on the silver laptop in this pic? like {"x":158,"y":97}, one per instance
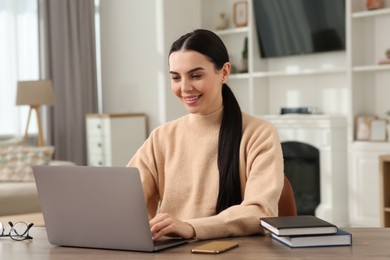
{"x":98,"y":207}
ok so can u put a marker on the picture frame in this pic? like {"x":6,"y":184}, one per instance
{"x":378,"y":130}
{"x":363,"y":127}
{"x":240,"y":13}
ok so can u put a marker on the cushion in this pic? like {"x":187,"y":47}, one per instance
{"x":16,"y":161}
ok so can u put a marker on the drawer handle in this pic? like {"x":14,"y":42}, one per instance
{"x":98,"y":126}
{"x":99,"y":144}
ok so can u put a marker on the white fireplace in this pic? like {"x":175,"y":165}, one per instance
{"x":329,"y":135}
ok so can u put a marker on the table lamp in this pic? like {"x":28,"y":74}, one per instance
{"x":35,"y":93}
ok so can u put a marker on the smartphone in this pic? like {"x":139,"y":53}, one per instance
{"x":215,"y":247}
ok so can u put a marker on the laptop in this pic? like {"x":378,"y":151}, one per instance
{"x":96,"y":207}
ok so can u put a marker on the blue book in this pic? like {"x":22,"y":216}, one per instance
{"x":341,"y":238}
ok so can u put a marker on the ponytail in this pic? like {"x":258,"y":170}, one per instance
{"x":229,"y":152}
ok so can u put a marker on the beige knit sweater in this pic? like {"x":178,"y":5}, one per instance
{"x":178,"y":166}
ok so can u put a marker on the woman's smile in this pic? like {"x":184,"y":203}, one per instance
{"x":191,"y":100}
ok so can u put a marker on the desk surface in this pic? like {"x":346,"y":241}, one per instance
{"x":368,"y":243}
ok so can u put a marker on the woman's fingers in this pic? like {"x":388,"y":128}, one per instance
{"x":166,"y":225}
{"x":158,"y":224}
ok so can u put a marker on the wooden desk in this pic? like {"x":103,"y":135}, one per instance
{"x":368,"y":243}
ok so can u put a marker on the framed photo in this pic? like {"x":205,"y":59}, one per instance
{"x":363,"y":127}
{"x":240,"y":13}
{"x":378,"y":130}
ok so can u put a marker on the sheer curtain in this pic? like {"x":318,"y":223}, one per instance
{"x":69,"y":59}
{"x":19,"y":60}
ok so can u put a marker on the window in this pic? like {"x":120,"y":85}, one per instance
{"x":19,"y":52}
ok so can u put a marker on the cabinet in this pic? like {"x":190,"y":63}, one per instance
{"x":365,"y":184}
{"x":112,"y":139}
{"x":385,"y":190}
{"x":369,"y":91}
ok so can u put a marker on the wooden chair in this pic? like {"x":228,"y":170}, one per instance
{"x":287,"y":206}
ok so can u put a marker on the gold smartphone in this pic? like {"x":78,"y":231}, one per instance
{"x":215,"y":247}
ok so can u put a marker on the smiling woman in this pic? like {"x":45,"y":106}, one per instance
{"x":19,"y":60}
{"x":214,"y":172}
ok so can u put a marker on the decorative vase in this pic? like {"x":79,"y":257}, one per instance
{"x":222,"y":23}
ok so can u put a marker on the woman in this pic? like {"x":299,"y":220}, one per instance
{"x":214,"y":172}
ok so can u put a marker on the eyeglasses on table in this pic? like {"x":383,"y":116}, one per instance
{"x":18,"y":231}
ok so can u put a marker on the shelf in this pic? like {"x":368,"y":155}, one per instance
{"x":371,"y":145}
{"x":387,"y":209}
{"x":239,"y":76}
{"x":369,"y":68}
{"x":303,"y":72}
{"x":232,"y":31}
{"x":372,"y":13}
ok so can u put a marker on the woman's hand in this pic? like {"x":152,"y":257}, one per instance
{"x":165,"y":225}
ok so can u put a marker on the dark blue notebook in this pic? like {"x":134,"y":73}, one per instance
{"x":341,"y":238}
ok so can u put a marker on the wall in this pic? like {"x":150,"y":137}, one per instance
{"x":180,"y":17}
{"x":129,"y":57}
{"x":135,"y":39}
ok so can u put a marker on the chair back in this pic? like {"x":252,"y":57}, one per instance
{"x":287,"y":205}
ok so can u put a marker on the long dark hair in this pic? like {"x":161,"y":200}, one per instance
{"x":210,"y":45}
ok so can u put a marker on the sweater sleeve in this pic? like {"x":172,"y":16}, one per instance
{"x":144,"y":160}
{"x":261,"y":185}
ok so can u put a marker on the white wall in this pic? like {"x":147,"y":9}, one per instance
{"x":129,"y":57}
{"x":180,"y":17}
{"x":135,"y":40}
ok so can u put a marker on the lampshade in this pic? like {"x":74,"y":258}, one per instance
{"x":37,"y":92}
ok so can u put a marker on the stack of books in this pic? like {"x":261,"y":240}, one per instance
{"x":306,"y":231}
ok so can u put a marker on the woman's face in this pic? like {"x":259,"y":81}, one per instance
{"x":196,"y":82}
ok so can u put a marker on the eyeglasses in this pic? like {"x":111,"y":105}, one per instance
{"x":19,"y":231}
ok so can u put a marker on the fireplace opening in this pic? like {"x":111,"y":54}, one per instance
{"x":302,"y":168}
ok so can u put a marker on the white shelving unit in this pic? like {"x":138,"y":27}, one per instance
{"x":277,"y":82}
{"x":346,"y":83}
{"x":370,"y":88}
